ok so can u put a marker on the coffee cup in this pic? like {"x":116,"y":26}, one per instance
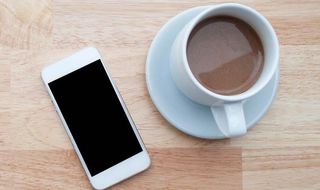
{"x":227,"y":110}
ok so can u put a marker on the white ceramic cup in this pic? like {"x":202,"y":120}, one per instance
{"x":226,"y":109}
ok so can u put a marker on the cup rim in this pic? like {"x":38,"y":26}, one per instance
{"x":251,"y":91}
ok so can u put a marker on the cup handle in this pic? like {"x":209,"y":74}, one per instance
{"x":230,"y":119}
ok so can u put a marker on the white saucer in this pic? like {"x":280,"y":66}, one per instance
{"x":184,"y":114}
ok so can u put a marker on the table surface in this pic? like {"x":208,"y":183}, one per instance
{"x":281,"y":152}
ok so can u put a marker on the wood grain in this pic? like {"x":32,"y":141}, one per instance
{"x":25,"y":24}
{"x":281,"y":152}
{"x":172,"y":168}
{"x":281,"y":168}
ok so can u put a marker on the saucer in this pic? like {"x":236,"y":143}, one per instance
{"x":184,"y":114}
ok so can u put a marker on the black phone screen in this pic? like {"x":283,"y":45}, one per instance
{"x":95,"y":117}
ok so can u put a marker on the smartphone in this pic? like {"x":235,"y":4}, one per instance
{"x":95,"y":118}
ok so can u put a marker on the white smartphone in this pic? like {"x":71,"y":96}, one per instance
{"x":96,"y":119}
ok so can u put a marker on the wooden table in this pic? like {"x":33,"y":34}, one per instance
{"x":281,"y":152}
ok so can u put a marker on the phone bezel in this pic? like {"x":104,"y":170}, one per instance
{"x":122,"y":170}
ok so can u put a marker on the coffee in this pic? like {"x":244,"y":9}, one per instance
{"x":225,"y":55}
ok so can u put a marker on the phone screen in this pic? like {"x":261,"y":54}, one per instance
{"x":95,"y":117}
